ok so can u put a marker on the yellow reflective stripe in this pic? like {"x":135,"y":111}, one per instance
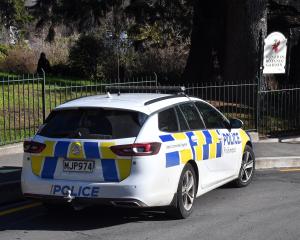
{"x":179,"y":136}
{"x":199,"y":152}
{"x":124,"y":166}
{"x":185,"y":155}
{"x":78,"y":146}
{"x":49,"y":150}
{"x":201,"y":137}
{"x":36,"y":164}
{"x":106,"y":153}
{"x":244,"y":138}
{"x":212,"y":150}
{"x":214,"y":135}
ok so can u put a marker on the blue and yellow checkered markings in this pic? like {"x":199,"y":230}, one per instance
{"x":167,"y":138}
{"x":203,"y":145}
{"x":219,"y":149}
{"x":91,"y":150}
{"x":61,"y":149}
{"x":244,"y":138}
{"x":205,"y":152}
{"x":192,"y":143}
{"x":207,"y":136}
{"x":113,"y":168}
{"x":172,"y":159}
{"x":109,"y":170}
{"x":49,"y":168}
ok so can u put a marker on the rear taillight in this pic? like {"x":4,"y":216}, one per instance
{"x":33,"y":147}
{"x":137,"y":149}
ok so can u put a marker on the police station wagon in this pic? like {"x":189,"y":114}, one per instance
{"x":135,"y":150}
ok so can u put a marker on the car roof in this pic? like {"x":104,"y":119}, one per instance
{"x":142,"y":102}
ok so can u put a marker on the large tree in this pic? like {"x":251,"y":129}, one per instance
{"x":226,"y":40}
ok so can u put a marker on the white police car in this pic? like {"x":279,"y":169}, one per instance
{"x":136,"y":150}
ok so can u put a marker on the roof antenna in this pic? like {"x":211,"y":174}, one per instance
{"x":108,"y":95}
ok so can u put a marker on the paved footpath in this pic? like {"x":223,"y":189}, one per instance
{"x":277,"y":149}
{"x":11,"y":160}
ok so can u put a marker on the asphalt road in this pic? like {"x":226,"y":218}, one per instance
{"x":267,"y":209}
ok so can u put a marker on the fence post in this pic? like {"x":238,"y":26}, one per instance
{"x":155,"y":75}
{"x":44,"y":96}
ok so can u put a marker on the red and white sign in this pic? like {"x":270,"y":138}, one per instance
{"x":275,"y":53}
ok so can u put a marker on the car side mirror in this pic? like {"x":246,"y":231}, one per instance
{"x":236,"y":123}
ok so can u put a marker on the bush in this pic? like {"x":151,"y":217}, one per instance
{"x":88,"y":57}
{"x":168,"y":61}
{"x":57,"y":52}
{"x":3,"y":52}
{"x":23,"y":58}
{"x":19,"y":60}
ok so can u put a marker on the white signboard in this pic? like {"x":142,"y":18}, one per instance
{"x":275,"y":53}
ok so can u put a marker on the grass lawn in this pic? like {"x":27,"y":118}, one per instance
{"x":21,"y":102}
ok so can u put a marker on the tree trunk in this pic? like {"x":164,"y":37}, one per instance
{"x":227,"y":31}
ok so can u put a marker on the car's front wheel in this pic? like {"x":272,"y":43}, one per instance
{"x":247,"y":168}
{"x":186,"y":194}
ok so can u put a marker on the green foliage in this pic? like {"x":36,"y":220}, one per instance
{"x":152,"y":27}
{"x":150,"y":33}
{"x":14,"y":13}
{"x":3,"y":51}
{"x":88,"y":57}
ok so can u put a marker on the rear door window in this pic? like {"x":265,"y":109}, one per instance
{"x":93,"y":123}
{"x":182,"y":121}
{"x":167,"y":121}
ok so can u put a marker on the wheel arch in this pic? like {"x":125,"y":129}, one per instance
{"x":249,"y":143}
{"x":195,"y":167}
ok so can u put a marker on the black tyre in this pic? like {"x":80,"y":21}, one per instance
{"x":186,"y":194}
{"x":247,"y":168}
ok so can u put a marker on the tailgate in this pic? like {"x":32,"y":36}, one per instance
{"x":84,"y":160}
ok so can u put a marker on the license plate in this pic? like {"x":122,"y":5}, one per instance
{"x":79,"y":166}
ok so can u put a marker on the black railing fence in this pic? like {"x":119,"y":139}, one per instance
{"x":21,"y":107}
{"x":232,"y":99}
{"x":280,"y":111}
{"x":26,"y":100}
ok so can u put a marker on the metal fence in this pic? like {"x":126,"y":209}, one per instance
{"x":21,"y":107}
{"x":279,"y":112}
{"x":234,"y":100}
{"x":26,"y":100}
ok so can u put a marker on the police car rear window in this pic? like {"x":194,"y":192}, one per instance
{"x":95,"y":123}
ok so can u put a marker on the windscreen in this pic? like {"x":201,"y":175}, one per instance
{"x":93,"y":123}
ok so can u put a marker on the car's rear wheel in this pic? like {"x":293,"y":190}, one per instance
{"x":186,"y":193}
{"x":247,"y":168}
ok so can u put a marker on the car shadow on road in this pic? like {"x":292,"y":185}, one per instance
{"x":90,"y":218}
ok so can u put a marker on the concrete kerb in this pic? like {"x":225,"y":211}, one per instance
{"x":277,"y":162}
{"x":11,"y":149}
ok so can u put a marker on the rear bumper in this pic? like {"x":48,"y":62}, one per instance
{"x":129,"y":202}
{"x":144,"y":187}
{"x":132,"y":191}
